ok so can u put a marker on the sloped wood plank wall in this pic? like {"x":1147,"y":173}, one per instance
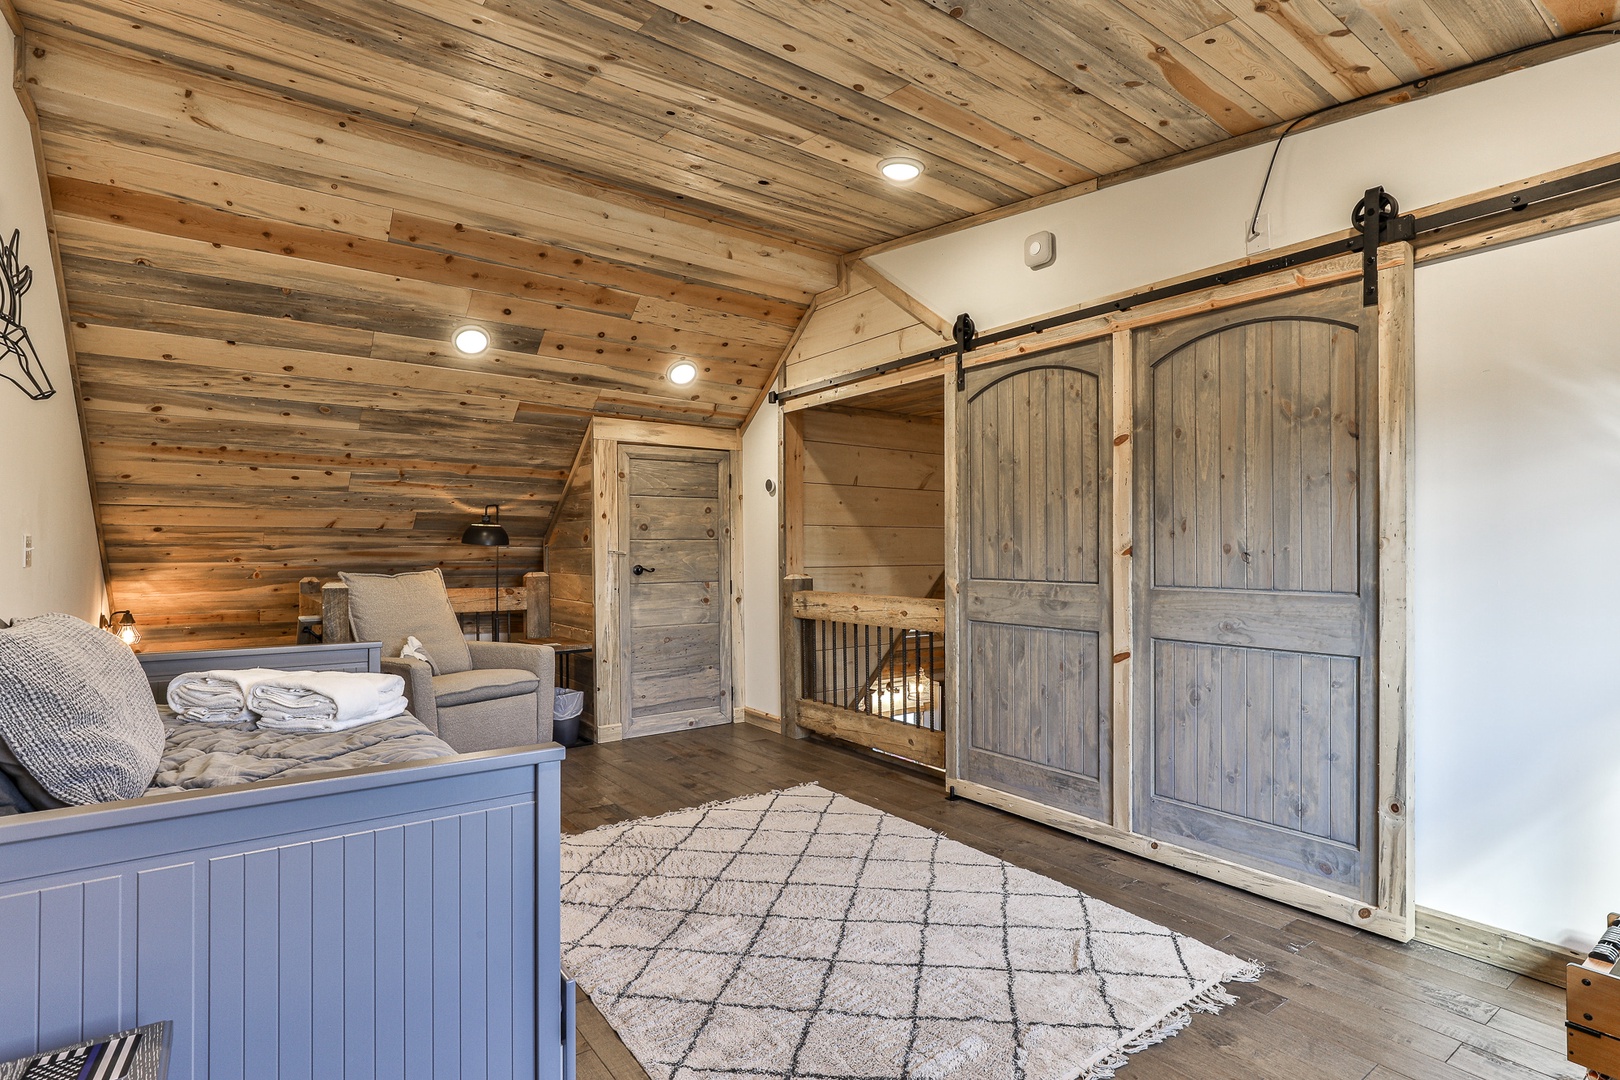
{"x":262,"y":296}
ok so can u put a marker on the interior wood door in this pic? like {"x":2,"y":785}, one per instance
{"x":1256,"y":566}
{"x":674,"y":643}
{"x":1030,"y":558}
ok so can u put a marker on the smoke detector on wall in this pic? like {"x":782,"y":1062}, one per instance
{"x":1040,"y":250}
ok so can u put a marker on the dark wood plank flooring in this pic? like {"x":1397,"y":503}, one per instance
{"x":1335,"y":1003}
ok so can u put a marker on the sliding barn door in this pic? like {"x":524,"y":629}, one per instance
{"x":1030,"y":558}
{"x":1256,"y":566}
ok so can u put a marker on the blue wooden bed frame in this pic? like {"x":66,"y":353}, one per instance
{"x":394,"y":921}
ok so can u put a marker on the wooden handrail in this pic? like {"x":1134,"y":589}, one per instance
{"x":328,"y":602}
{"x":899,"y":612}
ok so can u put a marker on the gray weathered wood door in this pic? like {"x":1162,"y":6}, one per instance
{"x":1031,"y":564}
{"x":674,"y":643}
{"x":1254,"y":734}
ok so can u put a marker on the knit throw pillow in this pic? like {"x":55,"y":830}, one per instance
{"x":77,"y":711}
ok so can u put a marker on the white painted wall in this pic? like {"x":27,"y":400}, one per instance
{"x":43,"y":489}
{"x":1126,"y":237}
{"x":762,"y":674}
{"x":1517,"y":608}
{"x":1517,"y":584}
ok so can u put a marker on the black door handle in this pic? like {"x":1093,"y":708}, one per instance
{"x":638,"y":569}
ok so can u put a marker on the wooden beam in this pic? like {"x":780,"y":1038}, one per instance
{"x":1395,"y":495}
{"x":899,"y":612}
{"x":690,"y":435}
{"x":781,"y":362}
{"x":608,"y":565}
{"x":793,"y":656}
{"x":8,"y":9}
{"x":791,"y":495}
{"x":902,"y":299}
{"x":1121,"y":583}
{"x":873,"y":732}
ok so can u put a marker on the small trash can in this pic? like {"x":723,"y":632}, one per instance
{"x":565,"y":716}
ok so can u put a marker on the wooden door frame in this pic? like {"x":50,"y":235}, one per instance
{"x":609,"y":553}
{"x":1393,"y":913}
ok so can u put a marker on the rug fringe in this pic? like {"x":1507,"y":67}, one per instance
{"x":1211,"y":999}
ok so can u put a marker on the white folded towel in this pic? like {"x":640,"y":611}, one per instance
{"x":326,"y":700}
{"x":215,"y":697}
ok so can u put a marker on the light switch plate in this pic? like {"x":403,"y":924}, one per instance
{"x":1040,"y":250}
{"x":28,"y":550}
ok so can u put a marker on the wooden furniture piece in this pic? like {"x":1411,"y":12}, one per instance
{"x":401,"y":913}
{"x":1592,"y":1020}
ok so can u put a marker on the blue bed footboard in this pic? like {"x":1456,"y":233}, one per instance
{"x":398,"y":921}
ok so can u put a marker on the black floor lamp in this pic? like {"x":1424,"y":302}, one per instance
{"x":490,"y":533}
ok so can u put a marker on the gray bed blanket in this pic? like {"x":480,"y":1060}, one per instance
{"x":197,"y":755}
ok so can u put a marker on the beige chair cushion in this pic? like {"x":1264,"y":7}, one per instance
{"x":391,"y":607}
{"x":488,"y":684}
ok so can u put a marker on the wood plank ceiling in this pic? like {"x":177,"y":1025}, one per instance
{"x":273,"y":213}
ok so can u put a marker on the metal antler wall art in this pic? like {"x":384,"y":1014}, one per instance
{"x":19,"y":363}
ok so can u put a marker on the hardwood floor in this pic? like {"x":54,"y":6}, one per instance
{"x":1335,"y":1003}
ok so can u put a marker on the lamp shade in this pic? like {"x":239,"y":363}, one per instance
{"x":487,"y":533}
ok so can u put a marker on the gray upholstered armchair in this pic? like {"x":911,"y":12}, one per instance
{"x":475,"y":695}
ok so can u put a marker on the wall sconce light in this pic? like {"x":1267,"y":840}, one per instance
{"x":121,"y":625}
{"x":470,"y":340}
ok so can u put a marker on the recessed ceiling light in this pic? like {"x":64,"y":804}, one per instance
{"x":900,"y":170}
{"x":682,"y":372}
{"x":471,"y":340}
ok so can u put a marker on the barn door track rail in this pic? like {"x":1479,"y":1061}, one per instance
{"x":1377,"y":214}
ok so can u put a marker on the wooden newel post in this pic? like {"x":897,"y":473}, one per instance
{"x":793,"y":656}
{"x":537,"y":605}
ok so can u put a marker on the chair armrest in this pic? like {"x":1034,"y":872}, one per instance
{"x":540,"y":659}
{"x":418,"y":678}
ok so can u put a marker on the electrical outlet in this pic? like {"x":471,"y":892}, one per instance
{"x":28,"y":550}
{"x":1257,"y":234}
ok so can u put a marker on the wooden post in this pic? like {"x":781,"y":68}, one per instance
{"x":309,"y":611}
{"x":537,"y":605}
{"x":793,"y":656}
{"x":955,"y":564}
{"x":1121,"y":582}
{"x":335,"y":614}
{"x":791,"y":503}
{"x":1395,"y":466}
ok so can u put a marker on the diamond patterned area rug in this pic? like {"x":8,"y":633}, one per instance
{"x":802,"y":934}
